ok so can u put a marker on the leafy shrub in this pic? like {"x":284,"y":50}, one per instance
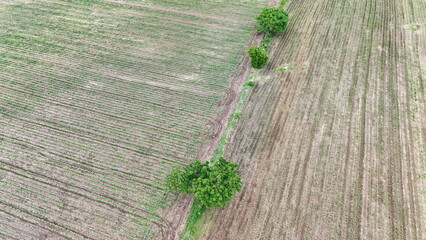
{"x":213,"y":184}
{"x":258,"y":56}
{"x":272,"y":20}
{"x":249,"y":83}
{"x":182,"y":180}
{"x":265,"y":40}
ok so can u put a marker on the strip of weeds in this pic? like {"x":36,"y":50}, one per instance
{"x":196,"y":213}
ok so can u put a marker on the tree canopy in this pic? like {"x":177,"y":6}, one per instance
{"x":212,"y":183}
{"x":272,"y":20}
{"x":258,"y":56}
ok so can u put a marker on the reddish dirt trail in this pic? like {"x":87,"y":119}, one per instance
{"x":334,"y":148}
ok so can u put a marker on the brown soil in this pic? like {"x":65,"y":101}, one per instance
{"x":334,"y":148}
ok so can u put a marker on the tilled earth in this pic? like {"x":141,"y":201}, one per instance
{"x":334,"y":146}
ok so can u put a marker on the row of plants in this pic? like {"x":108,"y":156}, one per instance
{"x":55,"y":138}
{"x":151,"y":102}
{"x":154,"y":74}
{"x":72,"y":164}
{"x":50,"y":204}
{"x":192,"y":44}
{"x":109,"y":133}
{"x":48,"y":192}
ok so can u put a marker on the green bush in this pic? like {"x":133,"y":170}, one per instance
{"x":213,"y":184}
{"x":265,"y":40}
{"x":182,"y":180}
{"x":258,"y":56}
{"x":272,"y":20}
{"x":249,"y":83}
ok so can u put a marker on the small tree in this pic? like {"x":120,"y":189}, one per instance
{"x":272,"y":20}
{"x":213,"y":184}
{"x":182,"y":180}
{"x":258,"y":56}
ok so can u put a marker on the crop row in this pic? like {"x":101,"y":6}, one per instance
{"x":95,"y":189}
{"x":128,"y":64}
{"x":241,"y":10}
{"x":112,"y":117}
{"x":60,"y":141}
{"x":43,"y":89}
{"x":90,"y":87}
{"x":198,"y":34}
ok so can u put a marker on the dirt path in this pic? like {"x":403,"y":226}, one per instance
{"x":334,"y":148}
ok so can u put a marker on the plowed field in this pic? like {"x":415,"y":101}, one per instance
{"x":334,"y":147}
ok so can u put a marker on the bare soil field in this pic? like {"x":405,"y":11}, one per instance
{"x":99,"y":100}
{"x":334,"y":147}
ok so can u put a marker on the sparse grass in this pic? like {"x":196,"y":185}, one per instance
{"x":194,"y":216}
{"x":285,"y":68}
{"x":413,"y":27}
